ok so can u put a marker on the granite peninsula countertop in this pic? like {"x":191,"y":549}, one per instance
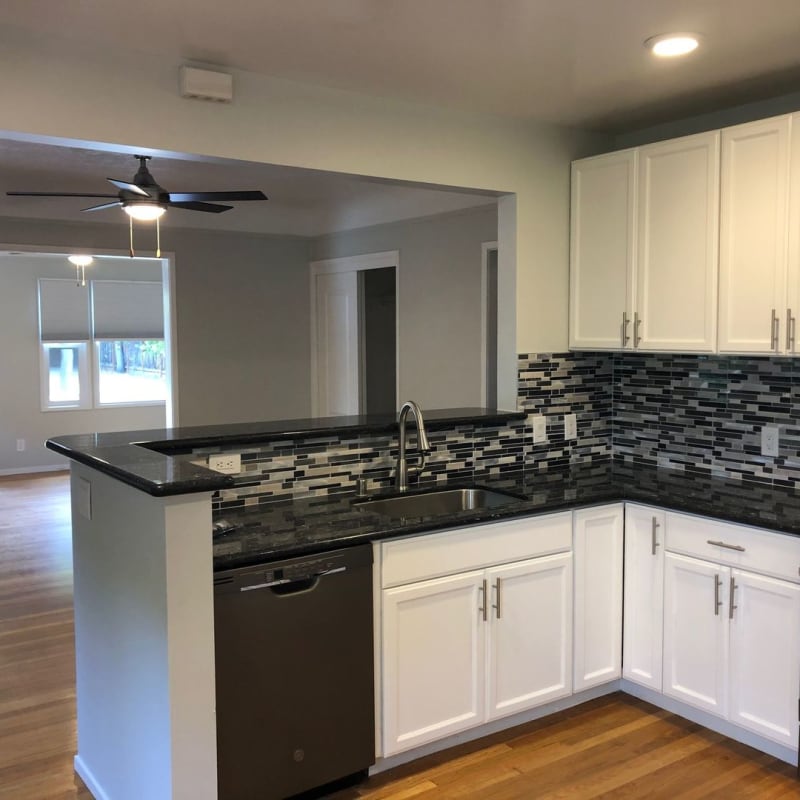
{"x":280,"y":529}
{"x":158,"y":461}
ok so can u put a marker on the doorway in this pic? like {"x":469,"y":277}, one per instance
{"x":354,"y":341}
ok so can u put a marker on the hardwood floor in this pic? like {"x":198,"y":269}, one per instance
{"x":615,"y":747}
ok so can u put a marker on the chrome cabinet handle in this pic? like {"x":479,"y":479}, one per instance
{"x":497,"y":607}
{"x":483,"y":609}
{"x":636,"y":323}
{"x":717,"y":601}
{"x":734,"y":587}
{"x":654,"y":529}
{"x":728,"y":546}
{"x":791,"y":322}
{"x":775,"y":323}
{"x":625,"y":323}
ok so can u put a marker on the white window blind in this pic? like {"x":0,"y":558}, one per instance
{"x":63,"y":311}
{"x":127,"y":310}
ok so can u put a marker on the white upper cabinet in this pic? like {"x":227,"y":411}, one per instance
{"x":602,"y":249}
{"x":678,"y":223}
{"x":793,"y":266}
{"x":754,"y":234}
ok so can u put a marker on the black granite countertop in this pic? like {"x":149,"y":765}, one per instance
{"x":287,"y":528}
{"x":157,"y":460}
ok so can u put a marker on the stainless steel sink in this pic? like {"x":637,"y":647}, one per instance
{"x":437,"y":503}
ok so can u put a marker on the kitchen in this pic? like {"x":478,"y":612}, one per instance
{"x":535,"y":174}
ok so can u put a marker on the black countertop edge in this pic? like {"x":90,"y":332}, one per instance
{"x":155,"y":461}
{"x":286,"y":528}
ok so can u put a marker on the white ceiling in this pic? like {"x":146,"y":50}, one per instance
{"x":575,"y":62}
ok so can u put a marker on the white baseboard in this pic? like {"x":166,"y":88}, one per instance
{"x":85,"y":774}
{"x":382,"y":764}
{"x":711,"y":722}
{"x":33,"y":470}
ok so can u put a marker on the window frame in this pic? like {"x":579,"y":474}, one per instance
{"x":85,"y":395}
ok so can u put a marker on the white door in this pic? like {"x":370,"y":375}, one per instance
{"x":433,"y":660}
{"x":754,"y":236}
{"x":678,"y":232}
{"x":765,"y":656}
{"x":597,"y":551}
{"x":602,"y":250}
{"x":337,"y":345}
{"x":529,"y":659}
{"x":696,"y":632}
{"x":643,"y":595}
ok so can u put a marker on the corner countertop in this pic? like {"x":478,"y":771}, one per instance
{"x":158,"y":462}
{"x":281,"y":529}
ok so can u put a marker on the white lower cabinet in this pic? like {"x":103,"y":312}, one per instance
{"x":462,"y":649}
{"x":597,"y":546}
{"x":643,"y":595}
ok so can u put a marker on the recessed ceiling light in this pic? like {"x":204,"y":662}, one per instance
{"x":669,"y":45}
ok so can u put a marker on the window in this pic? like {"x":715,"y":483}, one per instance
{"x":123,"y":323}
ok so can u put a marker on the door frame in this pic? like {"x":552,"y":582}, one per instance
{"x":387,"y":258}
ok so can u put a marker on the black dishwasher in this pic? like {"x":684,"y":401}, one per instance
{"x":294,"y":674}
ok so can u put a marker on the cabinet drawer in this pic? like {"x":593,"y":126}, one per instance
{"x":431,"y":555}
{"x":754,"y":549}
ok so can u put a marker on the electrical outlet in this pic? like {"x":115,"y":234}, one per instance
{"x":229,"y":463}
{"x":570,"y":426}
{"x":539,"y":429}
{"x":20,"y":445}
{"x":770,"y":440}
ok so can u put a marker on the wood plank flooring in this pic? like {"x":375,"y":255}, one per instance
{"x":614,"y":747}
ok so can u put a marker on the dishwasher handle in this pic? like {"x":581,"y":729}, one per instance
{"x":287,"y":588}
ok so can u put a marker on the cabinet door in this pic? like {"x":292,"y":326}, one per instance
{"x":643,"y":595}
{"x":602,"y":249}
{"x":754,"y":236}
{"x":793,"y":266}
{"x":678,"y":233}
{"x":529,"y":658}
{"x":598,"y":596}
{"x":433,"y":660}
{"x":696,"y":632}
{"x":765,"y":655}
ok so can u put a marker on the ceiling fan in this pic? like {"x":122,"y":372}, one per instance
{"x":142,"y":198}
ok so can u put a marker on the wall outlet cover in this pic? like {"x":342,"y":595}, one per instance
{"x":770,"y":441}
{"x":229,"y":463}
{"x":20,"y":445}
{"x":570,"y":426}
{"x":539,"y":429}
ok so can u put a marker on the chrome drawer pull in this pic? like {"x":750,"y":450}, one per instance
{"x":498,"y":607}
{"x":636,"y":323}
{"x":734,"y":587}
{"x":728,"y":546}
{"x":790,"y":330}
{"x":625,"y":322}
{"x":484,"y":607}
{"x":717,"y":601}
{"x":654,"y":529}
{"x":774,"y":331}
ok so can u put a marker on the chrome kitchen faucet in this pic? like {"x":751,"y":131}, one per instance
{"x":401,"y":475}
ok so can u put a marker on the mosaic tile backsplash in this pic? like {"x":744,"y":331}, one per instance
{"x":701,"y":413}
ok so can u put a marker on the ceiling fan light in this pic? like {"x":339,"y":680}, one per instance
{"x":670,"y":45}
{"x":80,"y":260}
{"x":144,"y":211}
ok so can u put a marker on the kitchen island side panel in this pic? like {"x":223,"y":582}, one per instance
{"x":143,"y":641}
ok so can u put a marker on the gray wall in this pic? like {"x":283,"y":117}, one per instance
{"x":242,"y":331}
{"x":439,"y":299}
{"x":21,"y":416}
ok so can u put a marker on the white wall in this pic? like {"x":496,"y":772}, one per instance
{"x":439,"y":299}
{"x":54,"y":90}
{"x":21,"y":416}
{"x":242,"y":334}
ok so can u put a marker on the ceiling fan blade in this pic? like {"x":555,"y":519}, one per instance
{"x":56,"y":194}
{"x":189,"y":197}
{"x":213,"y":209}
{"x":129,"y":187}
{"x":102,"y":206}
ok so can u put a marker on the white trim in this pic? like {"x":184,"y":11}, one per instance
{"x":85,"y":774}
{"x":387,"y":258}
{"x":33,"y":470}
{"x":486,"y":248}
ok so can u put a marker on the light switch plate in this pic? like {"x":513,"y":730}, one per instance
{"x":570,"y":426}
{"x":539,"y":429}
